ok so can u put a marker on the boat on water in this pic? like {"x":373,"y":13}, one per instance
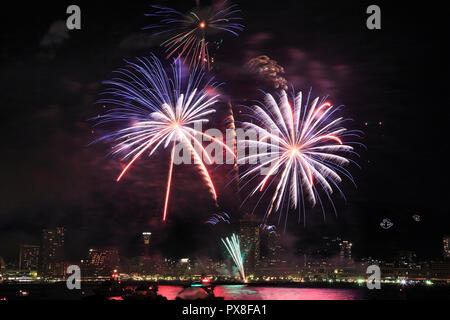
{"x":203,"y":290}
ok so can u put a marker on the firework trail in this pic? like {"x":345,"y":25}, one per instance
{"x":155,"y":108}
{"x":187,"y":34}
{"x":304,"y":151}
{"x":233,"y":247}
{"x":216,"y":218}
{"x":230,"y":127}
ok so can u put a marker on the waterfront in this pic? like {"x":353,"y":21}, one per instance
{"x":242,"y":292}
{"x":228,"y":292}
{"x":59,"y":291}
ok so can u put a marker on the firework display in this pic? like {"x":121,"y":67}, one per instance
{"x":211,"y":151}
{"x":188,"y":35}
{"x":234,"y":249}
{"x":269,"y":71}
{"x":304,"y":150}
{"x":155,"y":109}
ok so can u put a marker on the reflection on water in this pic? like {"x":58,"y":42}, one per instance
{"x":170,"y":292}
{"x":241,"y":292}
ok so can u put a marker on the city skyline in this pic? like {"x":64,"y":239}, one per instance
{"x":263,"y":255}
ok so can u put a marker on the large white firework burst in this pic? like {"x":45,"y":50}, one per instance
{"x":300,"y":144}
{"x":155,"y":108}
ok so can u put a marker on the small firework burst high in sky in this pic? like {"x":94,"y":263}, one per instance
{"x":188,"y":35}
{"x":155,"y":109}
{"x":305,"y":151}
{"x":234,"y":249}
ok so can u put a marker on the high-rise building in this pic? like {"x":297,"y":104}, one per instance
{"x":146,"y":238}
{"x":446,"y":246}
{"x":101,"y":262}
{"x":345,"y":250}
{"x":250,"y":242}
{"x":52,"y":252}
{"x":271,"y":249}
{"x":29,"y":257}
{"x":274,"y":247}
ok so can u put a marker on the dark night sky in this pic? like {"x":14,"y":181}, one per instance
{"x":50,"y":176}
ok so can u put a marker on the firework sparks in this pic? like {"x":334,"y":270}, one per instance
{"x":268,"y":70}
{"x":305,"y":151}
{"x":234,"y":249}
{"x":155,"y":108}
{"x":216,"y":218}
{"x":188,"y":34}
{"x":268,"y":229}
